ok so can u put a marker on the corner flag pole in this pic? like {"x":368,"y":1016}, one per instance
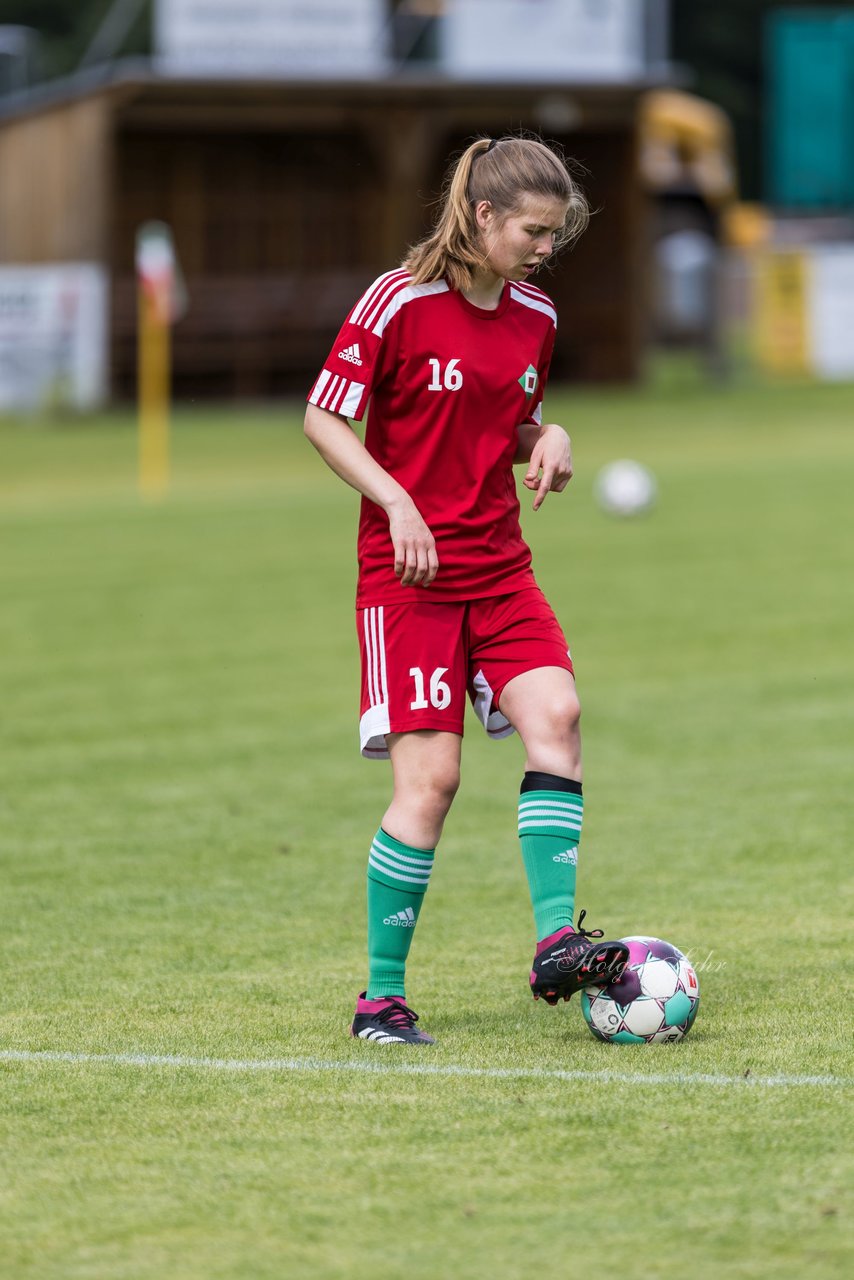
{"x":161,"y":299}
{"x":154,"y":362}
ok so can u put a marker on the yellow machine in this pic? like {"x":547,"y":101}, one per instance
{"x":687,"y":146}
{"x":687,"y":154}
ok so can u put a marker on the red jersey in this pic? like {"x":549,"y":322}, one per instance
{"x":449,"y":383}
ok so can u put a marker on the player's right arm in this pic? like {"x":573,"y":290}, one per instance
{"x":415,"y":559}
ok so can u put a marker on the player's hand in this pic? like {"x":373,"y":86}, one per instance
{"x":550,"y":467}
{"x":415,"y":559}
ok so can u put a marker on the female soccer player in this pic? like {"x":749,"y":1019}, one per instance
{"x":453,"y":351}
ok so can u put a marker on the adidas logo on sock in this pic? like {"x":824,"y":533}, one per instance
{"x":402,"y":919}
{"x":352,"y":354}
{"x":568,"y":856}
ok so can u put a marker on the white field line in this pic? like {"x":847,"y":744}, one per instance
{"x":681,"y":1078}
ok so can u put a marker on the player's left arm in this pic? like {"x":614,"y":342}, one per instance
{"x":548,"y":451}
{"x":544,"y":446}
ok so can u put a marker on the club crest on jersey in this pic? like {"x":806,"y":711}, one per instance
{"x":528,"y":381}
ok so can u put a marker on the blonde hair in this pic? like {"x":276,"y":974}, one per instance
{"x":502,"y":171}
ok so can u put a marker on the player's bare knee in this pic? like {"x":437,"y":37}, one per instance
{"x":441,"y":785}
{"x":430,"y":794}
{"x":564,"y":715}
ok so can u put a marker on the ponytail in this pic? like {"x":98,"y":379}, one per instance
{"x":502,"y":171}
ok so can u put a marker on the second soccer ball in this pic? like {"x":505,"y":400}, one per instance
{"x":625,"y":488}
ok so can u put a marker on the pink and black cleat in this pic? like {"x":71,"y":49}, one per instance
{"x":387,"y":1021}
{"x":568,"y":961}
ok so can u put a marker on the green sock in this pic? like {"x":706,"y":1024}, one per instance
{"x":550,"y":811}
{"x":398,"y":876}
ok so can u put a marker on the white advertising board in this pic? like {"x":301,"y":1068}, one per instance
{"x":570,"y":40}
{"x":271,"y":38}
{"x":830,"y":294}
{"x":53,"y":336}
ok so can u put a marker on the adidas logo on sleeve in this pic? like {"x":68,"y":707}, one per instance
{"x":352,"y":354}
{"x":402,"y":919}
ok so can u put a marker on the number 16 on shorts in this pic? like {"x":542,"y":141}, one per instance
{"x":439,"y":691}
{"x":413,"y":668}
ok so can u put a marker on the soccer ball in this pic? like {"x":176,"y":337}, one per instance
{"x":655,"y":999}
{"x":625,"y":488}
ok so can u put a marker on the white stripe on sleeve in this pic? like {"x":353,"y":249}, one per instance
{"x":319,"y":386}
{"x":404,"y":295}
{"x":343,"y":392}
{"x":373,"y":293}
{"x":331,"y":390}
{"x":350,"y":403}
{"x":536,"y":304}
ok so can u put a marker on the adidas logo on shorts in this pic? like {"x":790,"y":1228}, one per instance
{"x":403,"y":919}
{"x":352,"y":354}
{"x":568,"y":856}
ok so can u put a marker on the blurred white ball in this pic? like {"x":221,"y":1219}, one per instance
{"x":625,"y":488}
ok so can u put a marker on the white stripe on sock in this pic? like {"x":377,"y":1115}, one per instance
{"x":547,"y":825}
{"x":421,"y":863}
{"x":393,"y":873}
{"x":554,"y":806}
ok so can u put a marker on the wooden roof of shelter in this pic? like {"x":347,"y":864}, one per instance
{"x":287,"y":197}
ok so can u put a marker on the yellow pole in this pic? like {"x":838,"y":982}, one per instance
{"x":154,"y":377}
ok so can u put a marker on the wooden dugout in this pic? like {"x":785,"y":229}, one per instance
{"x":286,"y":199}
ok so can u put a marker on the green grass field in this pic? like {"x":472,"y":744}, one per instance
{"x":185,"y":821}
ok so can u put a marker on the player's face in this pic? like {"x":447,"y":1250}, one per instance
{"x":518,"y":243}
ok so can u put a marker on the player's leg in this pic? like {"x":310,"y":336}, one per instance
{"x":543,"y":707}
{"x":426,"y":767}
{"x":412,"y":709}
{"x":521,"y":677}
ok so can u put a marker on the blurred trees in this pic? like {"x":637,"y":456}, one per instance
{"x":66,"y":28}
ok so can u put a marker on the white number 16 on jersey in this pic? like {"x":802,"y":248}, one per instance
{"x":450,"y":380}
{"x":440,"y":693}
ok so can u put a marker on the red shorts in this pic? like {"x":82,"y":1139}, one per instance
{"x":420,"y":659}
